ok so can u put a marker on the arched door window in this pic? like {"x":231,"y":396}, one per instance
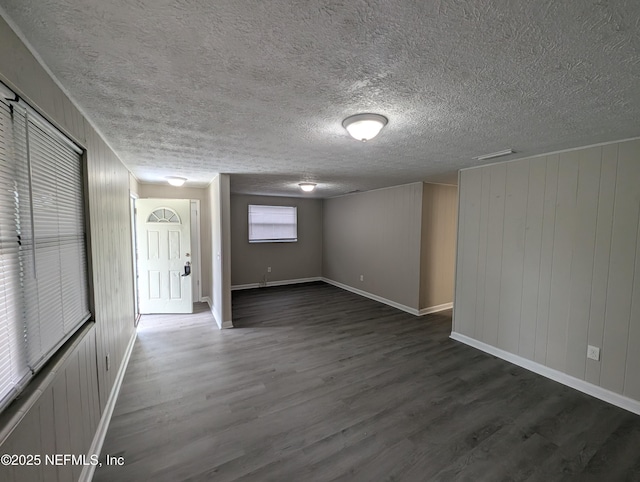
{"x":164,"y":215}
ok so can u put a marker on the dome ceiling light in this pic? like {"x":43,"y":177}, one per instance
{"x":307,"y":186}
{"x":176,"y":181}
{"x":364,"y":127}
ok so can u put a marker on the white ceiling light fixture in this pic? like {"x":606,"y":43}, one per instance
{"x":493,"y":155}
{"x":176,"y":181}
{"x":307,"y":186}
{"x":364,"y":127}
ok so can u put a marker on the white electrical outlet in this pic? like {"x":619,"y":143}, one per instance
{"x":269,"y":269}
{"x":361,"y":277}
{"x":593,"y":353}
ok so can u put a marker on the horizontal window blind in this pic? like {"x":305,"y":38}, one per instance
{"x":43,"y":244}
{"x":13,"y":367}
{"x":273,"y":224}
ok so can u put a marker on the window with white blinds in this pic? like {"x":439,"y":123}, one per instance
{"x":273,"y":224}
{"x":43,"y":274}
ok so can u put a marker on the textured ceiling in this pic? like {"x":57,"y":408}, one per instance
{"x":259,"y":89}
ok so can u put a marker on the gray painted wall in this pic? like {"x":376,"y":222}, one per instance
{"x":438,"y":245}
{"x":549,"y":261}
{"x":219,"y":201}
{"x":288,"y":261}
{"x":66,"y":413}
{"x":375,"y":234}
{"x":171,"y":192}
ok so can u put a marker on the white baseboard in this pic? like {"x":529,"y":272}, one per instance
{"x":216,"y":315}
{"x":222,"y":324}
{"x":227,"y":324}
{"x":435,"y":309}
{"x":275,"y":283}
{"x":101,"y":432}
{"x":558,"y":376}
{"x":366,"y":294}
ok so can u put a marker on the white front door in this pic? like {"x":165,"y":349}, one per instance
{"x":164,"y":249}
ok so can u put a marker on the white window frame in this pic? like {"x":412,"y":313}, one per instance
{"x":272,"y":224}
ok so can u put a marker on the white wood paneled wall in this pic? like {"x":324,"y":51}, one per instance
{"x":66,"y":415}
{"x":63,"y":420}
{"x":548,"y":261}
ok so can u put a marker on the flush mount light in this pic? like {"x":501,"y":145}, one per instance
{"x":176,"y":181}
{"x":307,"y":186}
{"x":493,"y":155}
{"x":364,"y":127}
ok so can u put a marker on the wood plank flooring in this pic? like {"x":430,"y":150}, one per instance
{"x":318,"y":384}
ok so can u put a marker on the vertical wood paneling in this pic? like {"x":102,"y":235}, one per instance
{"x":485,"y":193}
{"x":632,"y":377}
{"x":515,"y":211}
{"x":546,"y":257}
{"x":493,"y":272}
{"x":577,"y":252}
{"x":532,"y":255}
{"x":604,"y":226}
{"x":92,"y":372}
{"x":469,"y":253}
{"x":74,"y":409}
{"x":47,"y":431}
{"x":63,"y":433}
{"x":583,"y":247}
{"x":562,"y":254}
{"x":26,"y":441}
{"x":462,"y":217}
{"x":108,"y":182}
{"x":621,"y":267}
{"x":87,"y":416}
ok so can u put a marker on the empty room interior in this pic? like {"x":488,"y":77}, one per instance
{"x":323,"y":240}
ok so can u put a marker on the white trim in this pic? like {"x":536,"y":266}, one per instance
{"x":371,"y":296}
{"x":276,"y":283}
{"x":248,"y":286}
{"x":216,"y":316}
{"x":6,"y":93}
{"x":103,"y":425}
{"x":227,"y":324}
{"x":378,"y":189}
{"x":435,"y":309}
{"x":46,"y":125}
{"x":197,"y":297}
{"x":558,"y":376}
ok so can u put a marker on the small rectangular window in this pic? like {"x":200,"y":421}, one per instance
{"x":273,"y":224}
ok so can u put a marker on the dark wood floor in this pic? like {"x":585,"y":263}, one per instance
{"x":318,"y":384}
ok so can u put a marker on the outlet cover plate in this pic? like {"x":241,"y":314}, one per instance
{"x":593,"y":353}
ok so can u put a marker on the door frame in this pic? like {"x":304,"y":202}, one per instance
{"x":196,"y":251}
{"x":182,"y":213}
{"x":134,"y":257}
